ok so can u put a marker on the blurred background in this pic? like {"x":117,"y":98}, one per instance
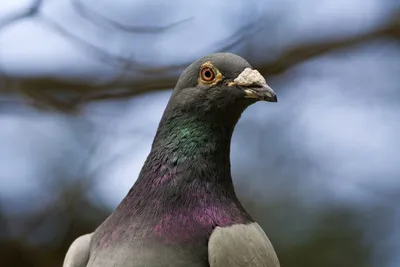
{"x":83,"y":84}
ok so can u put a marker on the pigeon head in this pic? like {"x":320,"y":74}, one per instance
{"x":220,"y":83}
{"x":207,"y":102}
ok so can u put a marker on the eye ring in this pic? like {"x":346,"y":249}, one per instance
{"x":207,"y":74}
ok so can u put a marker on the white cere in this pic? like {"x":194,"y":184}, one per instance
{"x":250,"y":77}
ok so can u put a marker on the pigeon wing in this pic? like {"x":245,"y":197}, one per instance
{"x":78,"y":253}
{"x":241,"y":245}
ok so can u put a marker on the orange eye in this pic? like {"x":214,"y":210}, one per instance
{"x":207,"y":74}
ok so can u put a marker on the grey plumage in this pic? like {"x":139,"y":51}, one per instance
{"x":241,"y":245}
{"x":78,"y":253}
{"x":183,"y":210}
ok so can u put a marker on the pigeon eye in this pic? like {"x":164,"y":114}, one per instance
{"x":207,"y":74}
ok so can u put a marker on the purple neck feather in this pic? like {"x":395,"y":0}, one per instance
{"x":185,"y":187}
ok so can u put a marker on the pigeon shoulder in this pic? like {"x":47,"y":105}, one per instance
{"x":78,"y":253}
{"x":241,"y":245}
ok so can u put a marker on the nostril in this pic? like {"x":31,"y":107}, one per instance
{"x":256,"y":85}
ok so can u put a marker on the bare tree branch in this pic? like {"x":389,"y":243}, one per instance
{"x":7,"y":21}
{"x":301,"y":53}
{"x":31,"y":11}
{"x":84,"y":92}
{"x":99,"y":19}
{"x":96,"y":52}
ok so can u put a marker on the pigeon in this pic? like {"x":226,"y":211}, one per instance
{"x":182,"y":210}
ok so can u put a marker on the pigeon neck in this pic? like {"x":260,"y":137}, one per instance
{"x":194,"y":144}
{"x":186,"y":177}
{"x":190,"y":151}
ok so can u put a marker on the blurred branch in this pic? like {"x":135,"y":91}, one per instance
{"x":31,"y":11}
{"x":94,"y":51}
{"x":298,"y":54}
{"x":99,"y":19}
{"x":45,"y":88}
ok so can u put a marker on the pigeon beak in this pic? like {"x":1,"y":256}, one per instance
{"x":255,"y":86}
{"x":264,"y":93}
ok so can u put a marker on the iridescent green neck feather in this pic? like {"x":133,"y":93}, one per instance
{"x":190,"y":148}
